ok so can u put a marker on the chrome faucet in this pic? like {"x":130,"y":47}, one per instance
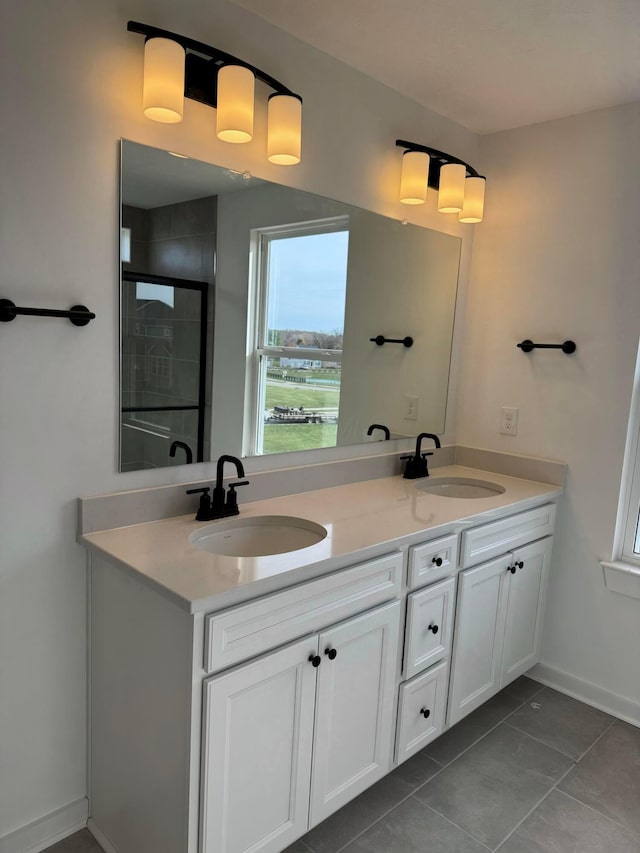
{"x":417,"y":464}
{"x":217,"y":506}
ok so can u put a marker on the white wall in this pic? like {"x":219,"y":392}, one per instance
{"x":558,"y":257}
{"x":72,"y":88}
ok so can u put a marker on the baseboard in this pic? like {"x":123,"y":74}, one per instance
{"x":100,"y":837}
{"x":618,"y":706}
{"x":47,"y":830}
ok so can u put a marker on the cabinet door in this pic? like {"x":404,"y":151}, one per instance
{"x":429,"y":626}
{"x":421,"y":708}
{"x":525,"y":593}
{"x":353,"y":740}
{"x":478,"y":637}
{"x":257,"y":745}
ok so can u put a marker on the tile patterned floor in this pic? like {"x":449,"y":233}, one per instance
{"x":531,"y":771}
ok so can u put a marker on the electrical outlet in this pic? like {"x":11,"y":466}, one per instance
{"x":410,"y":408}
{"x":508,"y":421}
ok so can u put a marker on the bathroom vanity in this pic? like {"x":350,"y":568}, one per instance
{"x":236,"y":702}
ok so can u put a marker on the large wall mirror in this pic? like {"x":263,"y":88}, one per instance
{"x":248,"y":309}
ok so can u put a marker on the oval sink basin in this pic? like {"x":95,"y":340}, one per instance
{"x":460,"y":487}
{"x":259,"y":536}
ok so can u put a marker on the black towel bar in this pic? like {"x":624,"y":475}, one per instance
{"x":79,"y":315}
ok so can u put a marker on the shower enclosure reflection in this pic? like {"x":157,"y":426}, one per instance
{"x":163,"y":383}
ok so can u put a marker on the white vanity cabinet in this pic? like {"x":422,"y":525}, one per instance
{"x":238,"y":729}
{"x":498,"y":625}
{"x":294,"y":735}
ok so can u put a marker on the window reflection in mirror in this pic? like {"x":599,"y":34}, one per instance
{"x":297,"y":358}
{"x":296,"y":285}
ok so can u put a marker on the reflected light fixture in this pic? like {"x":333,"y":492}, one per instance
{"x":176,"y":67}
{"x":460,"y":187}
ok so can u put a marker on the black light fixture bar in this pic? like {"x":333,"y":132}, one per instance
{"x":79,"y":315}
{"x":203,"y":63}
{"x":438,"y":160}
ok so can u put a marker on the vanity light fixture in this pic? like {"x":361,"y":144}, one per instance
{"x":460,"y":187}
{"x":176,"y":67}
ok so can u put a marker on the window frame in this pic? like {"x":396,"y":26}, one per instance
{"x":258,"y":352}
{"x":628,"y":516}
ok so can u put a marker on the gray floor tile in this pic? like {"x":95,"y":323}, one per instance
{"x":559,"y":721}
{"x":414,"y":828}
{"x":491,"y":788}
{"x":458,"y":738}
{"x":79,"y":842}
{"x":563,"y":825}
{"x":608,"y":777}
{"x":522,"y":689}
{"x":343,"y":826}
{"x":297,"y":847}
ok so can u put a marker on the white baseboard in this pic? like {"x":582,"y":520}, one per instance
{"x":618,"y":706}
{"x":102,"y":839}
{"x":47,"y":830}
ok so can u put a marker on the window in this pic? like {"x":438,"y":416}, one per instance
{"x":295,"y":361}
{"x":627,"y":539}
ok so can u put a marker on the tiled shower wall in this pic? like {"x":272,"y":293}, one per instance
{"x":175,"y":241}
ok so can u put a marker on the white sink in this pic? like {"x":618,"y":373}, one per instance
{"x":460,"y":487}
{"x":259,"y":536}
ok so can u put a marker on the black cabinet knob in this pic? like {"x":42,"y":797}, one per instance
{"x":520,"y":565}
{"x":512,"y":569}
{"x":426,"y":713}
{"x":433,"y":628}
{"x":332,"y":654}
{"x":437,"y":561}
{"x":315,"y":660}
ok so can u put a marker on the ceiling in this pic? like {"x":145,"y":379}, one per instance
{"x":153,"y":178}
{"x":489,"y":65}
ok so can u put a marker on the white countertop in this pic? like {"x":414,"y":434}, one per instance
{"x":363,"y":520}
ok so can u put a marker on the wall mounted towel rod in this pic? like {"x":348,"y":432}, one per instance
{"x":78,"y":314}
{"x":568,"y":347}
{"x":380,"y":340}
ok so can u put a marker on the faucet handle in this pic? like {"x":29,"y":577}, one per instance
{"x":231,"y":507}
{"x":204,"y":508}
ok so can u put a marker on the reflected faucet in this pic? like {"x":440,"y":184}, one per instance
{"x":187,"y":450}
{"x":217,"y":506}
{"x":382,"y":427}
{"x":417,"y":464}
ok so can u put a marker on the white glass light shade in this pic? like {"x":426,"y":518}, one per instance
{"x":236,"y":89}
{"x":473,"y":207}
{"x":284,"y":130}
{"x":413,"y":180}
{"x":163,"y":88}
{"x":451,"y":192}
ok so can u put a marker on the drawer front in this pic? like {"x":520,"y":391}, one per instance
{"x":421,"y":711}
{"x":429,"y":626}
{"x":491,"y":540}
{"x":251,"y":629}
{"x":432,"y":561}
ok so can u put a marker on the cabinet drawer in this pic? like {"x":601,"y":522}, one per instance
{"x":432,"y":561}
{"x":491,"y":540}
{"x":250,"y":629}
{"x":429,"y":626}
{"x":421,"y":711}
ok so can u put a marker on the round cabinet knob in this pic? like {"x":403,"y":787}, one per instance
{"x":437,"y":561}
{"x":433,"y":628}
{"x":426,"y":713}
{"x":512,"y":569}
{"x":332,"y":654}
{"x":520,"y":565}
{"x":315,"y":660}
